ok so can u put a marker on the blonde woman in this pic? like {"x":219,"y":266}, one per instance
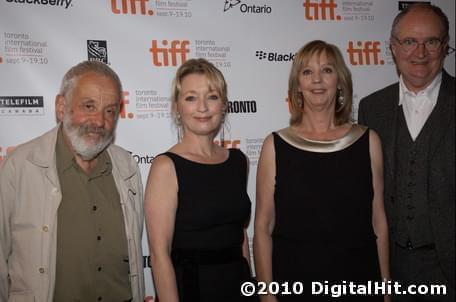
{"x":196,"y":203}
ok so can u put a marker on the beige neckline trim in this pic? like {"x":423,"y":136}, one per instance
{"x":355,"y":132}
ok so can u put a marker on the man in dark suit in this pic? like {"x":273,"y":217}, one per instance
{"x":415,"y":119}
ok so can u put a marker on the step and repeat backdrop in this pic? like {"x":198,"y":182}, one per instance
{"x":251,"y":41}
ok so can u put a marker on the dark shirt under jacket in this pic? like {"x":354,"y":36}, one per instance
{"x":92,"y":251}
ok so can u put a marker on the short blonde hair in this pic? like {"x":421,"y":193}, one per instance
{"x":317,"y":47}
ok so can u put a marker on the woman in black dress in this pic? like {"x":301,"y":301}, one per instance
{"x":196,"y":203}
{"x":319,"y":209}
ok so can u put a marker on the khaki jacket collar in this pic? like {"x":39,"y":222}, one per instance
{"x":44,"y":155}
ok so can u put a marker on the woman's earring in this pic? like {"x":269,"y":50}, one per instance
{"x":178,"y":122}
{"x":340,"y":98}
{"x":222,"y":132}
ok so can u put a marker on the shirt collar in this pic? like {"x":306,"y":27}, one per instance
{"x":65,"y":158}
{"x":430,"y":92}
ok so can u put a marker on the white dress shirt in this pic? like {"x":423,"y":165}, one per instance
{"x":418,"y":106}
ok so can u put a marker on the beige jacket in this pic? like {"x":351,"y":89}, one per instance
{"x":29,"y":199}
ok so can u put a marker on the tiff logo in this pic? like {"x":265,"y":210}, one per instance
{"x":97,"y":50}
{"x":131,"y":7}
{"x":367,"y":53}
{"x":161,"y":55}
{"x":123,"y":106}
{"x":320,"y":10}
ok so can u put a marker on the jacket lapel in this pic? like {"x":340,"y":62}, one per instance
{"x":44,"y":157}
{"x":122,"y":172}
{"x":390,"y":124}
{"x":443,"y":111}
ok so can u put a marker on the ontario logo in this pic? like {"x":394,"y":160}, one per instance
{"x":274,"y":56}
{"x":97,"y":50}
{"x":247,"y":8}
{"x":165,"y":53}
{"x":143,"y":159}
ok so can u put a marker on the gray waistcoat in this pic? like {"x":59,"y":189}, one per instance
{"x":411,"y":185}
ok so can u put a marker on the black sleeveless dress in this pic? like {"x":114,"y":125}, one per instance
{"x":323,"y":213}
{"x":213,"y":209}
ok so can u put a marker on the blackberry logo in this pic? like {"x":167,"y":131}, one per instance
{"x":230,"y":4}
{"x":97,"y":50}
{"x":274,"y":56}
{"x":260,"y":54}
{"x":62,"y":3}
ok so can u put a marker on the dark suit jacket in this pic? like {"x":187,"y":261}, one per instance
{"x":379,"y":112}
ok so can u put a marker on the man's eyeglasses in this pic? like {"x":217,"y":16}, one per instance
{"x":409,"y":44}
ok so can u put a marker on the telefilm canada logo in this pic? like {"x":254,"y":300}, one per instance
{"x":97,"y":50}
{"x":247,"y":8}
{"x":21,"y":105}
{"x":274,"y":56}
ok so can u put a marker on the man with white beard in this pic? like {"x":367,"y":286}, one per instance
{"x":71,"y":213}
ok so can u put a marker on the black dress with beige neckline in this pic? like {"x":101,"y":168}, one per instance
{"x":323,"y":213}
